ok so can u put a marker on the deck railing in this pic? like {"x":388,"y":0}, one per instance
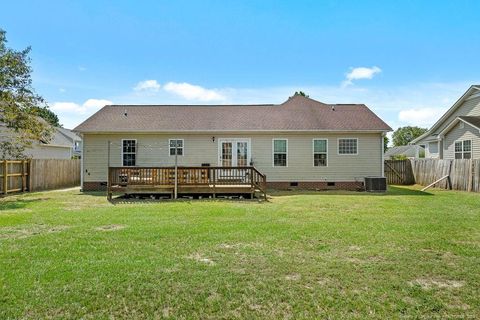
{"x":186,"y":176}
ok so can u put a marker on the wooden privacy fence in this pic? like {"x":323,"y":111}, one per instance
{"x":464,"y":173}
{"x":38,"y":174}
{"x":399,"y":172}
{"x":14,"y":175}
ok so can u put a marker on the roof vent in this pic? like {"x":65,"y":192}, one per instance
{"x":125,"y":113}
{"x":333,"y":108}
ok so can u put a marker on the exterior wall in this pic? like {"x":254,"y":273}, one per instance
{"x":458,"y":133}
{"x":48,"y":152}
{"x":199,"y":148}
{"x":432,"y":150}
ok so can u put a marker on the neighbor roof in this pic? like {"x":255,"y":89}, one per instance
{"x":69,"y":134}
{"x":296,"y":114}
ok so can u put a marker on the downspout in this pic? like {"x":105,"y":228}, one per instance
{"x":383,"y":154}
{"x":82,"y":156}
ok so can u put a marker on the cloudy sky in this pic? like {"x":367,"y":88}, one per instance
{"x":408,"y":61}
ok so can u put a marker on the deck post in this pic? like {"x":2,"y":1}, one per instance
{"x":252,"y":186}
{"x":109,"y":183}
{"x":176,"y":171}
{"x":213,"y":181}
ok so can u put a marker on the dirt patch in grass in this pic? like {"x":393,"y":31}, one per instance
{"x":427,"y":284}
{"x":22,"y":232}
{"x":293,"y":277}
{"x":202,"y":259}
{"x":110,"y":227}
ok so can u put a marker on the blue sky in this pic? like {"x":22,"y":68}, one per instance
{"x":407,"y":60}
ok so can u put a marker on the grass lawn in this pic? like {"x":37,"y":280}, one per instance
{"x":405,"y":254}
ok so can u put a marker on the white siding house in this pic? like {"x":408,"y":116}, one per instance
{"x":456,"y":135}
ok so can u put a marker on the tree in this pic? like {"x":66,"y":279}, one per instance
{"x":47,"y":115}
{"x":19,"y":104}
{"x":385,"y":143}
{"x":404,"y":135}
{"x":301,"y":93}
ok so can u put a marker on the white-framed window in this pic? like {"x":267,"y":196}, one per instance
{"x":280,"y":152}
{"x":320,"y":152}
{"x":348,"y":146}
{"x":178,"y":143}
{"x":129,"y":152}
{"x":463,"y":149}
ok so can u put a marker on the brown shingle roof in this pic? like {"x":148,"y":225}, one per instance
{"x":296,"y":114}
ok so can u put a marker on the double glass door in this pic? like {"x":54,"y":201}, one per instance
{"x":234,"y":152}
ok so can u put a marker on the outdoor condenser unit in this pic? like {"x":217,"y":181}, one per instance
{"x":375,"y":184}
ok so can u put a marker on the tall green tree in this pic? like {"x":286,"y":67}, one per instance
{"x":385,"y":143}
{"x":404,"y":135}
{"x":301,"y":93}
{"x":47,"y":115}
{"x":19,"y":104}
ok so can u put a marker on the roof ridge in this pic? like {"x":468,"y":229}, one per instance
{"x":190,"y":105}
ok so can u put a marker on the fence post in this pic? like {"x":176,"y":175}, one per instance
{"x":30,"y":178}
{"x":5,"y":176}
{"x":470,"y":176}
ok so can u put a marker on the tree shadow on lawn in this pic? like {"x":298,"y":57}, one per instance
{"x":391,"y":191}
{"x":15,"y":203}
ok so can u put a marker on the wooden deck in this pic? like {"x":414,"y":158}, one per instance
{"x":190,"y":180}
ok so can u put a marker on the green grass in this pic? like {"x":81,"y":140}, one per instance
{"x":406,"y":254}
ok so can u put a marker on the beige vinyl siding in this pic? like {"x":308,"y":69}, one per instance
{"x":199,"y":148}
{"x":458,"y":133}
{"x":470,"y":107}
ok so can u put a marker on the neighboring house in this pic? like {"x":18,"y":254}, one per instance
{"x":74,"y":139}
{"x":61,"y":145}
{"x":410,"y":152}
{"x":301,"y":142}
{"x":457,"y":134}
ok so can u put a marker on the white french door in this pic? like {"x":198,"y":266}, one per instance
{"x":234,"y":152}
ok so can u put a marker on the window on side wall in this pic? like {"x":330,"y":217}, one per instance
{"x":179,"y":145}
{"x":348,"y":146}
{"x":280,"y":150}
{"x":129,"y":152}
{"x":463,"y":149}
{"x":320,"y":152}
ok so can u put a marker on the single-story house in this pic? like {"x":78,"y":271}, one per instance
{"x":410,"y":152}
{"x":301,"y":142}
{"x":63,"y":144}
{"x":456,"y":135}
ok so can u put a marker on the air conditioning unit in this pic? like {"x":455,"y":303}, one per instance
{"x":375,"y":184}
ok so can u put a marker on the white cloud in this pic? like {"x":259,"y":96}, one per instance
{"x":193,"y":92}
{"x":88,"y":106}
{"x":147,"y":85}
{"x":81,"y":68}
{"x":72,"y":114}
{"x":62,"y":90}
{"x":420,"y":116}
{"x":360,"y":73}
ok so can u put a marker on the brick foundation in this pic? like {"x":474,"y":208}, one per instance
{"x":94,"y":186}
{"x":318,"y":185}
